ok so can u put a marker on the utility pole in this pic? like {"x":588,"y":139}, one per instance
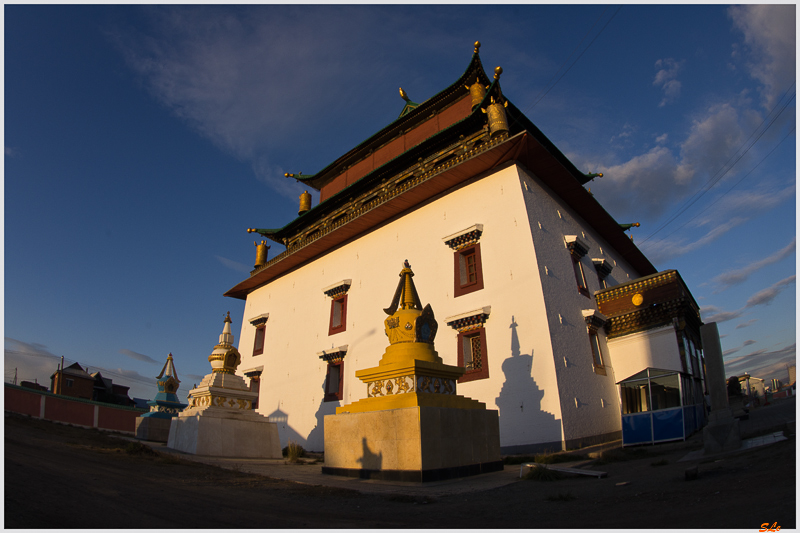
{"x":15,"y":376}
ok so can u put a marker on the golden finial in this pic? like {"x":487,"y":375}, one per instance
{"x":403,"y":95}
{"x":477,"y":46}
{"x":497,"y":72}
{"x":228,"y":317}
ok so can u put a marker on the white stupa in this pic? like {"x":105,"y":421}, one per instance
{"x":220,"y":420}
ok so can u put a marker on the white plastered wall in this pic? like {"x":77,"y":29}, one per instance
{"x":655,"y":348}
{"x":589,"y":400}
{"x":522,"y":375}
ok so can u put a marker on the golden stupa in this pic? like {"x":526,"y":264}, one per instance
{"x":412,"y":426}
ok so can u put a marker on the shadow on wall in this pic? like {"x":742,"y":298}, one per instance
{"x":524,"y":427}
{"x":369,"y":460}
{"x":312,"y":442}
{"x":316,"y":438}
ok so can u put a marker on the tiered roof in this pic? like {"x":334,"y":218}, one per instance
{"x":430,"y":148}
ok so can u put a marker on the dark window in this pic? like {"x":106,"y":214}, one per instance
{"x":597,"y":354}
{"x":579,"y":276}
{"x":69,"y":383}
{"x":468,"y":270}
{"x":338,"y":315}
{"x":258,"y":346}
{"x":334,"y":382}
{"x":472,"y":355}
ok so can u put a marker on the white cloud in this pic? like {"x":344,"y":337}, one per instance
{"x":137,"y":356}
{"x":746,"y":324}
{"x":734,"y":277}
{"x":233,"y":265}
{"x":764,"y":364}
{"x":11,"y":151}
{"x":712,"y":313}
{"x":766,"y":296}
{"x":729,"y":211}
{"x":666,"y":78}
{"x":769,"y":31}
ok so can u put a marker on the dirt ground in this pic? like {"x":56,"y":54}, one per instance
{"x":59,"y":476}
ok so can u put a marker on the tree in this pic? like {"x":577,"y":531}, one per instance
{"x":734,"y":387}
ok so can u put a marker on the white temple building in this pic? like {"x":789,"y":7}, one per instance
{"x":540,"y":294}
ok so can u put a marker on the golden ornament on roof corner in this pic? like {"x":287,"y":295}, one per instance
{"x":305,"y":203}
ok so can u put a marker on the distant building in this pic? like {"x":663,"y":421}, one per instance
{"x":32,"y":385}
{"x":106,"y":391}
{"x":792,"y":374}
{"x":752,"y":386}
{"x":73,"y":381}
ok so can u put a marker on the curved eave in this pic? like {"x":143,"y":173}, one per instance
{"x":517,"y":118}
{"x":523,"y":148}
{"x":404,"y":122}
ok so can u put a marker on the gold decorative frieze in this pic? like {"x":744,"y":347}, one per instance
{"x":410,"y":384}
{"x":390,"y":188}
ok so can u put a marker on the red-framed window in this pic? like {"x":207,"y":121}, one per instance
{"x":258,"y":343}
{"x":473,"y":355}
{"x":334,"y":381}
{"x":597,"y":352}
{"x":338,"y":322}
{"x":580,"y":277}
{"x":468,"y":276}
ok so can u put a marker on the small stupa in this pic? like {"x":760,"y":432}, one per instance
{"x":412,"y":426}
{"x":220,"y":420}
{"x":154,"y":426}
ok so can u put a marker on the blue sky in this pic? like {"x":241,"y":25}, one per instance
{"x":141,"y":141}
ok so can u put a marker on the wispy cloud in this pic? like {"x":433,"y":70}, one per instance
{"x":763,"y":297}
{"x":11,"y":151}
{"x":746,"y":324}
{"x":138,"y":356}
{"x":666,"y":78}
{"x":730,"y":211}
{"x":233,"y":265}
{"x":734,"y":277}
{"x":769,"y":31}
{"x":766,"y":296}
{"x":764,"y":364}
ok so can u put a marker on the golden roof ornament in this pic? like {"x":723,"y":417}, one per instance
{"x":305,"y":203}
{"x":477,"y":46}
{"x":261,"y":253}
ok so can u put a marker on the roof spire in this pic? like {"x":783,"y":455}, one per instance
{"x":477,"y":46}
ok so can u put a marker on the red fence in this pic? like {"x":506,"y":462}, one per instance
{"x":71,"y":410}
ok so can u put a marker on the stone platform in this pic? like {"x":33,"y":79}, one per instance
{"x":419,"y":443}
{"x":225,"y":433}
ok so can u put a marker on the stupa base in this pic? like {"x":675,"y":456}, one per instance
{"x":153,"y":428}
{"x":419,"y":443}
{"x":224,"y":433}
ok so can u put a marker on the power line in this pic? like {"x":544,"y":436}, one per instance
{"x":731,"y":188}
{"x":728,"y":165}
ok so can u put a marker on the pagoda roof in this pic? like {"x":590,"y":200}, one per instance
{"x":445,"y":159}
{"x":412,"y":115}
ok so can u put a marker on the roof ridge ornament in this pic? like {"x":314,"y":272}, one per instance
{"x":410,"y":106}
{"x":477,"y":47}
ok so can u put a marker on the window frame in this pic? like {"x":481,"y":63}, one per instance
{"x":483,"y":372}
{"x":261,"y":331}
{"x":338,"y":395}
{"x":460,"y":287}
{"x":338,"y":300}
{"x":580,"y":274}
{"x":597,"y":352}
